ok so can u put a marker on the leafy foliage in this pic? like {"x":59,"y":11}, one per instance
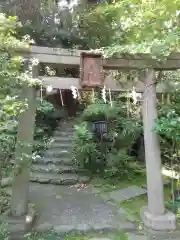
{"x":4,"y":234}
{"x":167,"y":126}
{"x":123,"y":129}
{"x":142,"y":26}
{"x":12,"y":78}
{"x":99,"y":111}
{"x":120,"y":165}
{"x":84,"y":148}
{"x":4,"y":201}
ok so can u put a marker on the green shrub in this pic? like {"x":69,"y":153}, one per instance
{"x":123,"y":130}
{"x":33,"y":236}
{"x":173,"y":206}
{"x":4,"y":234}
{"x":42,"y":132}
{"x":120,"y":165}
{"x":99,"y":111}
{"x":4,"y":201}
{"x":84,"y":148}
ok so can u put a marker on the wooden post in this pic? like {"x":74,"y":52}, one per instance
{"x":154,"y":215}
{"x":24,"y":145}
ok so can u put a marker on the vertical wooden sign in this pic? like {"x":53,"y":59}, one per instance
{"x":91,"y":70}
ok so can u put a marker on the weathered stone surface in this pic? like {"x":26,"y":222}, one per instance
{"x":74,"y":209}
{"x":162,"y":235}
{"x":58,"y":153}
{"x":121,"y":211}
{"x":57,"y":167}
{"x":127,"y":193}
{"x":63,"y":145}
{"x":69,"y":181}
{"x":82,"y":228}
{"x":104,"y":228}
{"x":44,"y":227}
{"x":12,"y":220}
{"x":66,"y":134}
{"x":64,"y":229}
{"x":18,"y":226}
{"x":54,"y":168}
{"x":100,"y":238}
{"x":128,"y":227}
{"x":62,"y":139}
{"x":133,"y":236}
{"x":43,"y":180}
{"x":6,"y":181}
{"x":39,"y":179}
{"x":55,"y":178}
{"x":56,"y":181}
{"x":8,"y":191}
{"x":30,"y":217}
{"x":54,"y":160}
{"x":34,"y":178}
{"x":163,"y":222}
{"x":83,"y":179}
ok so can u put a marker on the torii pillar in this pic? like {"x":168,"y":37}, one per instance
{"x":154,"y":216}
{"x":24,"y":147}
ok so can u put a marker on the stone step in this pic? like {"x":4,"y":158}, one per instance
{"x":62,"y":134}
{"x":52,"y":168}
{"x":68,"y":129}
{"x":58,"y":179}
{"x":58,"y":153}
{"x":62,"y":145}
{"x":63,"y":139}
{"x":53,"y":160}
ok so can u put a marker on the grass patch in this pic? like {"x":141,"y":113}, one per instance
{"x":108,"y":185}
{"x":54,"y":236}
{"x":133,"y":206}
{"x":113,"y":236}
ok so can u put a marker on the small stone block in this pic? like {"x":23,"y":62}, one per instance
{"x":104,"y":228}
{"x":133,"y":236}
{"x":121,"y":211}
{"x":82,"y":228}
{"x":163,"y":222}
{"x":127,"y":193}
{"x":5,"y":182}
{"x":30,"y":218}
{"x":43,"y":180}
{"x":56,"y":181}
{"x":83,"y":179}
{"x":127,"y":227}
{"x":63,"y":229}
{"x":44,"y":227}
{"x":69,"y":182}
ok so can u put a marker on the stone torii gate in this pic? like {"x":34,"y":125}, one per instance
{"x":154,"y":215}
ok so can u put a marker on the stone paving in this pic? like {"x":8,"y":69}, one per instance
{"x":69,"y":209}
{"x":127,"y":193}
{"x":100,"y":239}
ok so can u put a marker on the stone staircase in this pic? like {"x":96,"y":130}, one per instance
{"x":56,"y":167}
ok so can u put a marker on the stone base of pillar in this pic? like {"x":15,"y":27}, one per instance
{"x":164,"y":222}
